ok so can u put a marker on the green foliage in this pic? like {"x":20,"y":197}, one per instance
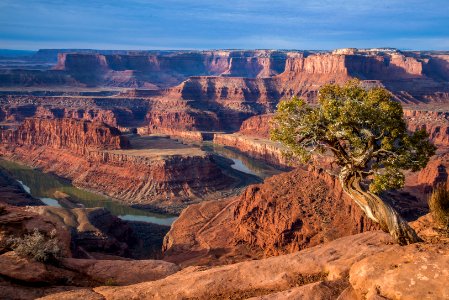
{"x":439,"y":205}
{"x":37,"y":246}
{"x":363,"y":129}
{"x":110,"y":282}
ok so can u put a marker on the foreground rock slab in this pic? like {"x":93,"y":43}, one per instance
{"x":122,"y":272}
{"x":248,"y":279}
{"x":418,"y":271}
{"x":17,"y":268}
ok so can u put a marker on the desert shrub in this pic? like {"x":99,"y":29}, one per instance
{"x":110,"y":282}
{"x":37,"y":246}
{"x":439,"y":205}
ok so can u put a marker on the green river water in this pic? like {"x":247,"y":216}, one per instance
{"x":44,"y":185}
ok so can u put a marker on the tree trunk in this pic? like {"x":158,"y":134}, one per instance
{"x":379,"y":211}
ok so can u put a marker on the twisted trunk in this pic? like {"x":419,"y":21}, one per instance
{"x":378,"y":210}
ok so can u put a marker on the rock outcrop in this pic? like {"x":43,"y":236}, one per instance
{"x":286,"y":213}
{"x":411,"y":272}
{"x":218,"y":90}
{"x":121,"y":272}
{"x":162,"y":69}
{"x":12,"y":193}
{"x":291,"y":211}
{"x":328,"y":263}
{"x":434,"y":173}
{"x":436,"y":123}
{"x":74,"y":135}
{"x":175,"y":120}
{"x":257,"y":126}
{"x":95,"y":106}
{"x":79,"y":232}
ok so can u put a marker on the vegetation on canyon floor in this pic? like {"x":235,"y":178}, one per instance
{"x":366,"y":133}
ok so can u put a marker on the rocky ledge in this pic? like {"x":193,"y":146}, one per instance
{"x":363,"y":266}
{"x":77,"y":136}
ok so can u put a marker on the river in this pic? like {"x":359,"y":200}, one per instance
{"x":52,"y":189}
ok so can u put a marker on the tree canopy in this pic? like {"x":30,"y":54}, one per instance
{"x":363,"y":129}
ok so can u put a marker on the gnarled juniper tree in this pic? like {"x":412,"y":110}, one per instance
{"x":367,"y":137}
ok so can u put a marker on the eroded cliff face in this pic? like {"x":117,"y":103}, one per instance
{"x":117,"y":111}
{"x":296,"y":210}
{"x":411,"y":78}
{"x":286,"y":213}
{"x":257,"y":126}
{"x":264,"y":149}
{"x":259,"y":75}
{"x":218,"y":90}
{"x":74,"y":135}
{"x":166,"y":177}
{"x":188,"y":120}
{"x":160,"y":70}
{"x":436,"y":123}
{"x":436,"y":172}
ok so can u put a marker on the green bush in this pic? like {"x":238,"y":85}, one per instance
{"x":37,"y":246}
{"x":439,"y":205}
{"x":110,"y":282}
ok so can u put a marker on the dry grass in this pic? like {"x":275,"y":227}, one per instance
{"x":37,"y":246}
{"x":439,"y":205}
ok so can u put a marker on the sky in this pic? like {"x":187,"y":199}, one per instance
{"x":224,"y":24}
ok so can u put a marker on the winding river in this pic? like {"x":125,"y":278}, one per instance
{"x":54,"y":190}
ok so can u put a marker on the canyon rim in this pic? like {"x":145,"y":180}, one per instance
{"x":163,"y":171}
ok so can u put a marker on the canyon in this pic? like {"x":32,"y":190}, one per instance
{"x":171,"y":132}
{"x":152,"y":172}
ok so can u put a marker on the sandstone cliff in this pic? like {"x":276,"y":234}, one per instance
{"x":77,"y":136}
{"x":263,"y":149}
{"x":436,"y":123}
{"x":296,"y":210}
{"x":408,"y":77}
{"x":159,"y":173}
{"x":434,"y":173}
{"x":257,"y":126}
{"x":152,"y":70}
{"x":259,"y":75}
{"x":118,"y":111}
{"x":220,"y":89}
{"x":288,"y":212}
{"x":187,"y":120}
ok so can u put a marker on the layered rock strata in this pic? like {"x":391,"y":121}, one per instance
{"x":92,"y":156}
{"x":263,"y":149}
{"x":74,"y":135}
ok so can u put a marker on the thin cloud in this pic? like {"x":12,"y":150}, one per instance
{"x":204,"y":24}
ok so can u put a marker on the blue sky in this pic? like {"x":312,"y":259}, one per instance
{"x":200,"y":24}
